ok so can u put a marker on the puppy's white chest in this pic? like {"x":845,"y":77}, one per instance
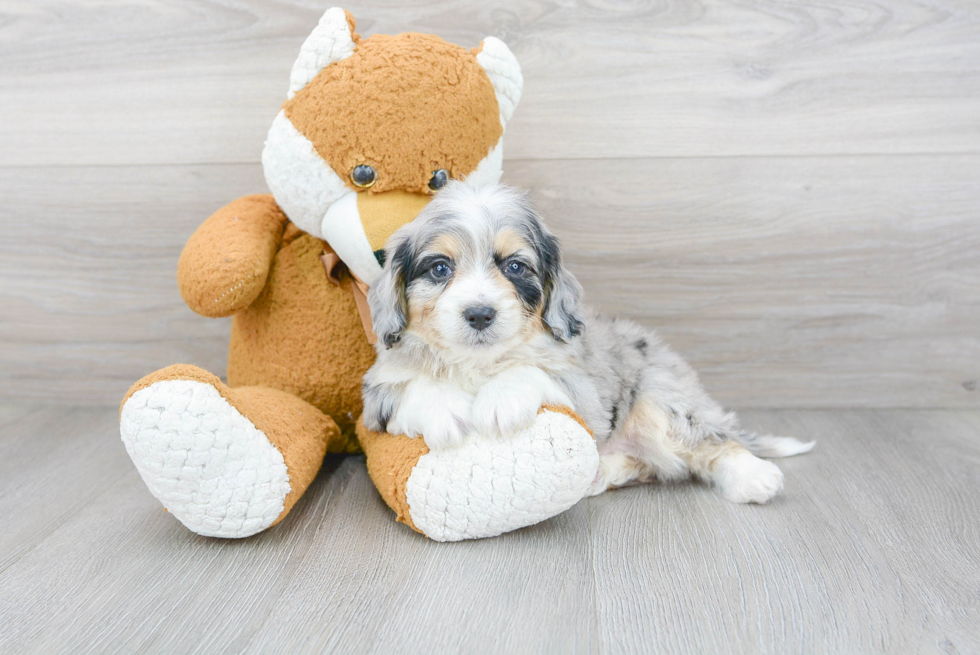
{"x":472,"y":380}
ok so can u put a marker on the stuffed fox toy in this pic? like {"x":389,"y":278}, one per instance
{"x":371,"y":128}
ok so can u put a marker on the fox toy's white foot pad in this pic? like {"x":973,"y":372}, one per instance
{"x":209,"y":465}
{"x":494,"y":484}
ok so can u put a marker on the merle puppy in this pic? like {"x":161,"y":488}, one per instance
{"x":479,"y":324}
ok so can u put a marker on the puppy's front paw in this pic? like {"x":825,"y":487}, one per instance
{"x":510,"y":401}
{"x":503,"y":409}
{"x":745,"y":478}
{"x":438,"y":413}
{"x":444,"y":429}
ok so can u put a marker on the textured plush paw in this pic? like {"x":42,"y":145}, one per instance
{"x":494,"y":484}
{"x":210,"y":466}
{"x":745,"y":478}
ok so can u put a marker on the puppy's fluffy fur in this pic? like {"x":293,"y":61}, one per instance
{"x":479,"y":324}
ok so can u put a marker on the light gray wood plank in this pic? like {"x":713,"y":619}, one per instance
{"x":48,"y":471}
{"x":88,"y":277}
{"x":373,"y":586}
{"x":872,"y":548}
{"x":794,"y":282}
{"x":155,"y":81}
{"x":868,"y":550}
{"x":119,"y":575}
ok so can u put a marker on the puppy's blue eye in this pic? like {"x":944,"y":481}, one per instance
{"x":516,"y":268}
{"x":440,"y":270}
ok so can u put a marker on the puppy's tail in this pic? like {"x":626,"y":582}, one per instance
{"x":767,"y":445}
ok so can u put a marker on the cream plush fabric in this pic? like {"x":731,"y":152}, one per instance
{"x":492,"y":485}
{"x":209,"y":465}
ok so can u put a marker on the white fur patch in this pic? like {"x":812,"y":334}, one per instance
{"x":745,"y":478}
{"x":437,"y":410}
{"x":343,"y":230}
{"x":504,"y":72}
{"x":767,"y":445}
{"x":209,"y":466}
{"x":302,"y":183}
{"x":490,"y":168}
{"x":329,"y":41}
{"x":511,"y":399}
{"x":495,"y":484}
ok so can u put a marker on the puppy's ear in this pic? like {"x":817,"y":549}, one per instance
{"x":562,"y":292}
{"x":389,"y":304}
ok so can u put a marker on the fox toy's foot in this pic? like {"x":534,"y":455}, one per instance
{"x":225,"y":462}
{"x":490,"y":484}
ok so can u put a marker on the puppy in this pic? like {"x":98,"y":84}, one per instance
{"x":479,"y":324}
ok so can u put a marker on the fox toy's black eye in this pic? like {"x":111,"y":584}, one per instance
{"x":439,"y":179}
{"x":515,"y":268}
{"x":441,"y":270}
{"x":363,"y":176}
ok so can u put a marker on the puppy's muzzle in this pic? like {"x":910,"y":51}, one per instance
{"x":479,"y":318}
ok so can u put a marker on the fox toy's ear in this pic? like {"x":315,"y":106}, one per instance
{"x":501,"y":66}
{"x":333,"y":39}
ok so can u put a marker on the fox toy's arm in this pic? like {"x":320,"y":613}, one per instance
{"x":224,"y":265}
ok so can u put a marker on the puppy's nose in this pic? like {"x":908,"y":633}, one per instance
{"x":479,"y":318}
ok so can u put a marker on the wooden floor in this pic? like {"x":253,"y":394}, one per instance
{"x":873,"y":548}
{"x":788,"y":191}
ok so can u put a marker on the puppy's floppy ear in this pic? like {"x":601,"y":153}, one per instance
{"x":387,"y":297}
{"x":562,"y":291}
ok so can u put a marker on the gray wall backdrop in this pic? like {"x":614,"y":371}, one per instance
{"x":788,"y":191}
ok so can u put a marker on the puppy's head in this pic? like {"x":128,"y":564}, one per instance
{"x":476,"y":272}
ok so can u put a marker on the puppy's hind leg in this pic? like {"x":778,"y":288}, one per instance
{"x":736,"y":473}
{"x":728,"y":457}
{"x":735,"y":469}
{"x":640,"y":450}
{"x":618,"y":469}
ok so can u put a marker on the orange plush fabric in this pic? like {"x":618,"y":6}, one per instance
{"x":303,"y":334}
{"x":298,"y":430}
{"x":224,"y":265}
{"x":407,"y":105}
{"x":390,"y":460}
